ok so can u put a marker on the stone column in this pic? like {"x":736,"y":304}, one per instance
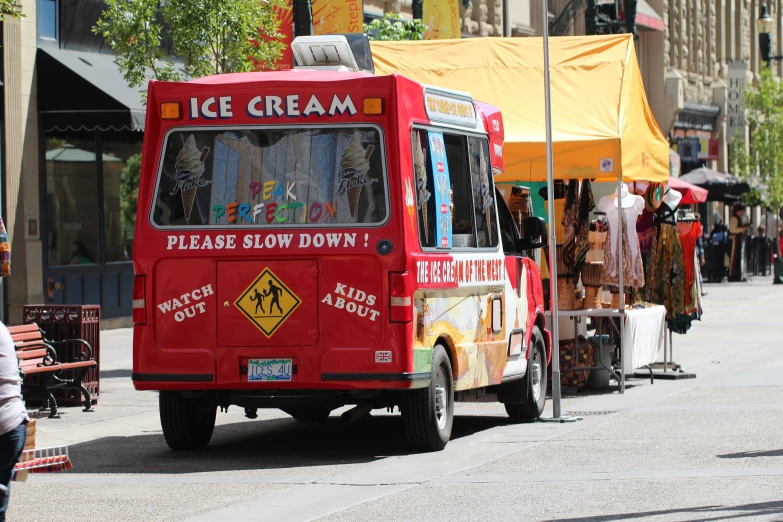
{"x":25,"y":285}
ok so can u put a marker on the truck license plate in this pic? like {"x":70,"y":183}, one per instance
{"x":269,"y":369}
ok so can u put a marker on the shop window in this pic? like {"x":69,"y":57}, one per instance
{"x":121,"y":166}
{"x":483,"y":192}
{"x":47,"y":19}
{"x":72,"y":201}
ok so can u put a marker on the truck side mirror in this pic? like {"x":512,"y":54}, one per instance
{"x":534,"y":234}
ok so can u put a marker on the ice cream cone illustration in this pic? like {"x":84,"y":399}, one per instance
{"x":354,"y":166}
{"x":423,"y":195}
{"x":190,"y":167}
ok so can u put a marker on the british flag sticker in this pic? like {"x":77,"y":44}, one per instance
{"x":383,"y":356}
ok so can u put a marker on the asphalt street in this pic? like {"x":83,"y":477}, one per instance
{"x":709,"y":448}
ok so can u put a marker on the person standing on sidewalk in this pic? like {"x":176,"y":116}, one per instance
{"x":774,"y":225}
{"x":13,"y":414}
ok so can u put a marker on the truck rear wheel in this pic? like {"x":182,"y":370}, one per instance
{"x":309,"y":414}
{"x":187,"y":423}
{"x":534,"y":382}
{"x":428,"y":414}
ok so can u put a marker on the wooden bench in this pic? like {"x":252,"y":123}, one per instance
{"x":38,"y":357}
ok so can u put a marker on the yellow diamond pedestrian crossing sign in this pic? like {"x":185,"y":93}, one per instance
{"x":267,"y":302}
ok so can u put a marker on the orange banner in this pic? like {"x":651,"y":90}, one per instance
{"x":338,"y":16}
{"x":286,"y":17}
{"x":441,"y":19}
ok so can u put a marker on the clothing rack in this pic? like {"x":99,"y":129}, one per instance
{"x":676,"y":372}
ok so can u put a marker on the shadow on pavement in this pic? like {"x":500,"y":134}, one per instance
{"x":263,"y":444}
{"x":113,"y":374}
{"x":752,"y":454}
{"x":722,"y":513}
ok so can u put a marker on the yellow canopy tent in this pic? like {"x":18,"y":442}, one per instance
{"x":602,"y":126}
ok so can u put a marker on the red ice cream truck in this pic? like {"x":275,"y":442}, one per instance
{"x":324,"y":237}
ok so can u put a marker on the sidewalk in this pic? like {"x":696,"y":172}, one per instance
{"x":682,"y":449}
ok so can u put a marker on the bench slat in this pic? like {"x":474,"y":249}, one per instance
{"x":30,"y":336}
{"x":42,"y":369}
{"x":78,"y":364}
{"x":25,"y":328}
{"x":27,"y":345}
{"x":31,"y":354}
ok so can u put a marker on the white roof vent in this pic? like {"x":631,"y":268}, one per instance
{"x":326,"y":52}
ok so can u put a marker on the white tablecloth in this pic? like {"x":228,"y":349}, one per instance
{"x":643,"y":337}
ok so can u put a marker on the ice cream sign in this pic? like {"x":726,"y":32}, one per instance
{"x":188,"y":170}
{"x":450,"y":107}
{"x":291,"y":106}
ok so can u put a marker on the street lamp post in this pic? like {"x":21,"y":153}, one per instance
{"x":765,"y":25}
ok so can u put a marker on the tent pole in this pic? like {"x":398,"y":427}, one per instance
{"x":550,"y":185}
{"x":621,"y":274}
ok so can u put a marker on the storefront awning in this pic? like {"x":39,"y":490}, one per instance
{"x":602,"y":126}
{"x":647,"y":18}
{"x":80,"y":91}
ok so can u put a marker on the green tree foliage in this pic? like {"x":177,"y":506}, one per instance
{"x":129,"y":194}
{"x":761,"y":164}
{"x":394,"y":27}
{"x":211,"y":37}
{"x":10,"y":9}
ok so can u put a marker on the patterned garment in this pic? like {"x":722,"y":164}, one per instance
{"x":666,"y":272}
{"x":645,"y":229}
{"x":569,"y":358}
{"x":688,"y":240}
{"x":5,"y":252}
{"x":586,"y":205}
{"x":633,"y":269}
{"x":633,"y":273}
{"x":570,"y":224}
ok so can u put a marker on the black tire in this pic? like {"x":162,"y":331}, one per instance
{"x":532,"y":408}
{"x":428,"y":413}
{"x":309,"y":414}
{"x":187,"y":423}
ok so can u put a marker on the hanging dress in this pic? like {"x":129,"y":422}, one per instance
{"x":666,"y":271}
{"x":689,"y":234}
{"x":633,"y":271}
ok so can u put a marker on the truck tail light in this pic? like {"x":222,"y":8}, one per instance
{"x":372,"y":106}
{"x":139,"y":300}
{"x":169,"y":111}
{"x":401,"y":298}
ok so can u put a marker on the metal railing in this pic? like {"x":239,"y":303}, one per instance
{"x":566,"y":18}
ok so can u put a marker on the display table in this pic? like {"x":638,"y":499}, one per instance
{"x":579,"y":316}
{"x":643,"y":338}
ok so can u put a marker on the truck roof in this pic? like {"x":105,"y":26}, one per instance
{"x":299,"y":75}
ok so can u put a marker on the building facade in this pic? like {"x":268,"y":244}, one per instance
{"x":70,"y":126}
{"x":705,"y":41}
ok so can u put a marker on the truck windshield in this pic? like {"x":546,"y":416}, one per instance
{"x":272,"y":177}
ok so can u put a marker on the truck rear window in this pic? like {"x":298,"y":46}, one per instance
{"x":265,"y":177}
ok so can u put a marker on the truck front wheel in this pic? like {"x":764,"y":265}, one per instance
{"x":187,"y":423}
{"x":534,"y":382}
{"x":428,"y":414}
